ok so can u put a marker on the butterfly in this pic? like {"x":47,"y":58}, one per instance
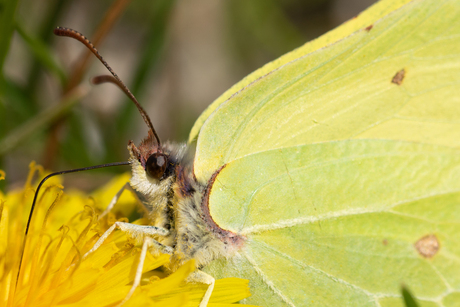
{"x":328,"y":177}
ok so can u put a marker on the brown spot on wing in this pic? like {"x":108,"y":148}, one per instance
{"x":368,"y":28}
{"x":399,"y":77}
{"x":427,"y":246}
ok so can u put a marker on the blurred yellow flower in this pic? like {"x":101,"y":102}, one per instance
{"x":63,"y":229}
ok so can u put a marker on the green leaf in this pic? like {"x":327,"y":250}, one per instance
{"x":408,"y":298}
{"x":41,"y":52}
{"x":15,"y":106}
{"x":7,"y":14}
{"x":261,"y":25}
{"x":41,"y":121}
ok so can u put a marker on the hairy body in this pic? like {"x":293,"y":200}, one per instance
{"x":176,"y":203}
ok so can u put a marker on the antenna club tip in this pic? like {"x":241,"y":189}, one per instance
{"x":95,"y":80}
{"x":62,"y":31}
{"x":58,"y":31}
{"x":103,"y":79}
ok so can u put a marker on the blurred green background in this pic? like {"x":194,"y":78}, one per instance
{"x":175,"y":56}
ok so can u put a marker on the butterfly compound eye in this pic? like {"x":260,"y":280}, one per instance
{"x":156,"y":165}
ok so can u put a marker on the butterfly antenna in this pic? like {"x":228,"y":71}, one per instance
{"x":36,"y":196}
{"x":60,"y":31}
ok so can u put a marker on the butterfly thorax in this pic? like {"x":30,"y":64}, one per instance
{"x":176,"y":201}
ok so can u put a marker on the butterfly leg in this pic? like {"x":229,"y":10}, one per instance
{"x":202,"y":277}
{"x":148,"y":242}
{"x":115,"y":199}
{"x":135,"y":231}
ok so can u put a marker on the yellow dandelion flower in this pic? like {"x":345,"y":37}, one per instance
{"x":64,"y":227}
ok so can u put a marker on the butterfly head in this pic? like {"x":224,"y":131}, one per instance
{"x":153,"y":164}
{"x":152,"y":157}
